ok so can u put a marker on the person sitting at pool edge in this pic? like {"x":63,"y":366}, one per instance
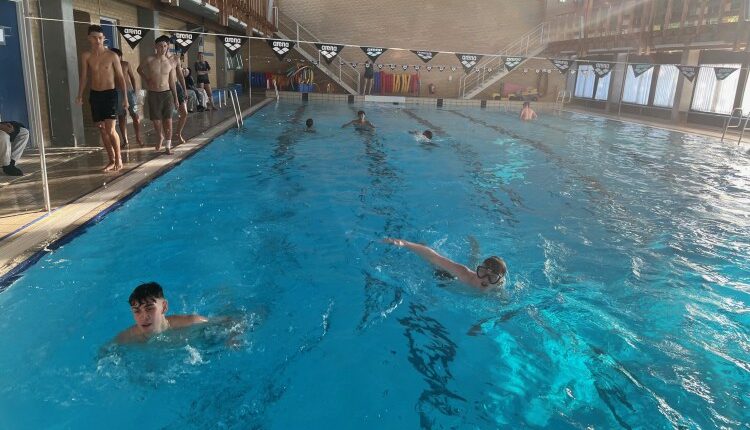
{"x":490,"y":272}
{"x":309,"y":125}
{"x":527,"y":113}
{"x":149,"y":309}
{"x":360,"y":123}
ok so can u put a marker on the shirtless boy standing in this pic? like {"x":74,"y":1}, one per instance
{"x":177,"y":60}
{"x":122,"y":115}
{"x":104,"y":68}
{"x":158,"y":73}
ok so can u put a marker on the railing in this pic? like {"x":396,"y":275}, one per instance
{"x":627,"y":17}
{"x":736,"y":115}
{"x":532,"y":42}
{"x":236,"y":107}
{"x":255,"y":13}
{"x":339,"y":70}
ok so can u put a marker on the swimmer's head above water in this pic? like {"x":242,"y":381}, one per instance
{"x":309,"y":123}
{"x":427,"y":134}
{"x":149,"y":308}
{"x":491,"y":271}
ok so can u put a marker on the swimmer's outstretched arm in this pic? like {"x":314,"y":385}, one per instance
{"x":349,"y":123}
{"x":460,"y":271}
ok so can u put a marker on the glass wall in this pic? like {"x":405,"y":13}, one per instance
{"x":637,"y":89}
{"x":713,"y":95}
{"x":666,"y":86}
{"x":589,"y":86}
{"x":585,"y":78}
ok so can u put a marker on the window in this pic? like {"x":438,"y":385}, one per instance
{"x":637,"y":89}
{"x":713,"y":95}
{"x":585,"y":78}
{"x":110,"y":32}
{"x":602,"y":87}
{"x":589,"y":86}
{"x":666,"y":85}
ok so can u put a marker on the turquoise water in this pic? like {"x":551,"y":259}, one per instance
{"x":626,"y":303}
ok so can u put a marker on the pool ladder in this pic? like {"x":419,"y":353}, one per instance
{"x":562,"y":98}
{"x":738,"y":126}
{"x":236,"y":107}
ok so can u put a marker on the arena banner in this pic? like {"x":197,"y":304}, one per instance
{"x":723,"y":72}
{"x":512,"y":62}
{"x":232,"y":43}
{"x":468,"y":61}
{"x":602,"y":69}
{"x":329,"y":51}
{"x":426,"y":56}
{"x":562,"y":65}
{"x":132,"y":35}
{"x":689,"y":72}
{"x":182,"y":41}
{"x":639,"y":69}
{"x":281,"y":47}
{"x":372,"y":52}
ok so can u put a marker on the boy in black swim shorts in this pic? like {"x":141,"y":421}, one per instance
{"x":105,"y":72}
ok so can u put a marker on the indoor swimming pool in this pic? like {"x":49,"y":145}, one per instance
{"x":626,"y":305}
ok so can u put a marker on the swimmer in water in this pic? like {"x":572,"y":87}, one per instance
{"x":489,"y":273}
{"x":360,"y":123}
{"x":149,"y":309}
{"x":309,"y":126}
{"x":527,"y":113}
{"x":425,"y":136}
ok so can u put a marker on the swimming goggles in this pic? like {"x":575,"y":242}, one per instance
{"x":483,"y":272}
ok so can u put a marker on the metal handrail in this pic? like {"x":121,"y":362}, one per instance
{"x":537,"y":37}
{"x":235,"y":108}
{"x":346,"y":74}
{"x":739,"y":126}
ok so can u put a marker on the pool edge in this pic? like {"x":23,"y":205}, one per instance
{"x":26,"y":247}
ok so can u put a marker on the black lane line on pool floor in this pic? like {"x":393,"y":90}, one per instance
{"x":613,"y":202}
{"x":431,"y":361}
{"x":14,"y":274}
{"x":471,"y":160}
{"x":592,"y":182}
{"x":380,"y":297}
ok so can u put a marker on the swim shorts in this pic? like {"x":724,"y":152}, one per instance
{"x":132,"y":106}
{"x":203,"y":79}
{"x":103,"y":104}
{"x":160,"y":105}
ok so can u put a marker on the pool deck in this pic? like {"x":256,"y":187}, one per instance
{"x":29,"y":234}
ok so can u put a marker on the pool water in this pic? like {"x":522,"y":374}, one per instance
{"x":627,"y":302}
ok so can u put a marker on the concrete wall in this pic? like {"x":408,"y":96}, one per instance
{"x":480,"y":26}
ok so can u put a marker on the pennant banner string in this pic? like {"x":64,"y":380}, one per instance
{"x":493,"y":55}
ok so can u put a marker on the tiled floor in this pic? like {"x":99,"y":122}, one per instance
{"x":74,"y":172}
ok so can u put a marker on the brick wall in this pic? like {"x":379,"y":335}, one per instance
{"x":437,"y":25}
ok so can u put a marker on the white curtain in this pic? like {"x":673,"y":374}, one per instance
{"x":746,"y":98}
{"x":666,"y":85}
{"x":713,"y":95}
{"x":637,"y":88}
{"x":602,"y":87}
{"x":585,"y":81}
